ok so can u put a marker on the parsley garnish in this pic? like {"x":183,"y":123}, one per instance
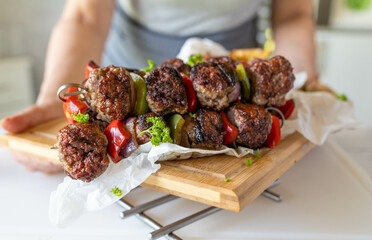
{"x":257,"y":154}
{"x":80,"y":117}
{"x":195,"y":59}
{"x":117,"y":191}
{"x":227,"y":180}
{"x":248,"y":162}
{"x":150,"y":67}
{"x":193,"y":115}
{"x":342,"y":97}
{"x":248,"y":150}
{"x":159,"y":132}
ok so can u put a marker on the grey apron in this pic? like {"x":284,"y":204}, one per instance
{"x":130,"y":44}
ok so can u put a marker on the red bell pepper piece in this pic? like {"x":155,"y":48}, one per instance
{"x":67,"y":113}
{"x":191,"y":94}
{"x":287,"y":108}
{"x":275,"y":134}
{"x":73,"y":105}
{"x":231,"y":131}
{"x":90,"y":66}
{"x":117,"y":136}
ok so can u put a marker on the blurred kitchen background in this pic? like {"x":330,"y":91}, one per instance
{"x":344,"y":40}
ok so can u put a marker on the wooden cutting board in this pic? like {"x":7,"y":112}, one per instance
{"x":199,"y":179}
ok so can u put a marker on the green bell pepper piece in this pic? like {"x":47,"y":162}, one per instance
{"x":141,"y":105}
{"x":175,"y":124}
{"x":246,"y":89}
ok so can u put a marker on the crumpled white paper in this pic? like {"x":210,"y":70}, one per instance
{"x":203,"y":46}
{"x":317,"y":114}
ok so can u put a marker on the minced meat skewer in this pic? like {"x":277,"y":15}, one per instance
{"x":93,"y":119}
{"x":221,"y":60}
{"x":111,"y":93}
{"x":253,"y":123}
{"x":270,"y":80}
{"x":216,"y":85}
{"x":82,"y":151}
{"x":142,"y":125}
{"x":205,"y":131}
{"x":166,"y":92}
{"x":176,"y":63}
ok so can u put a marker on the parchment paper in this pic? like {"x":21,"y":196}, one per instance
{"x":317,"y":114}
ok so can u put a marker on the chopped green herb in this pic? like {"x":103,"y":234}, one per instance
{"x":342,"y":97}
{"x":80,"y":117}
{"x":227,"y":180}
{"x":116,"y":191}
{"x":159,"y":132}
{"x":248,"y":150}
{"x":257,"y":154}
{"x":150,"y":67}
{"x":195,"y":59}
{"x":193,"y":115}
{"x":248,"y":162}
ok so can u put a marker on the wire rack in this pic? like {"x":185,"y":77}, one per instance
{"x":167,"y":230}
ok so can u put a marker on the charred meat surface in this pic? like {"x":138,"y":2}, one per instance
{"x":137,"y":71}
{"x":270,"y":80}
{"x":176,"y":63}
{"x":166,"y":92}
{"x":142,"y":125}
{"x":253,"y":122}
{"x":111,"y":93}
{"x":82,"y":151}
{"x":204,"y":131}
{"x":221,"y":60}
{"x":214,"y":83}
{"x":94,"y":120}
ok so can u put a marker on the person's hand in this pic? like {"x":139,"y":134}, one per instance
{"x":313,"y":84}
{"x":28,"y":118}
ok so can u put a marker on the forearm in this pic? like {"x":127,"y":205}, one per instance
{"x":67,"y":55}
{"x":293,"y":27}
{"x":78,"y":37}
{"x":295,"y":40}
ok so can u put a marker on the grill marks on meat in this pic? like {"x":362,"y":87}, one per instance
{"x":204,"y":131}
{"x":221,"y":60}
{"x":177,"y":64}
{"x":111,"y":93}
{"x":93,"y":120}
{"x":253,"y":122}
{"x":213,"y":84}
{"x":270,"y":80}
{"x":166,"y":92}
{"x":82,"y":151}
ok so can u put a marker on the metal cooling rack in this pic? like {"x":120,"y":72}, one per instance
{"x":167,"y":230}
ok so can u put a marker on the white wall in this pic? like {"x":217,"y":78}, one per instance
{"x":345,"y":64}
{"x":25,"y":26}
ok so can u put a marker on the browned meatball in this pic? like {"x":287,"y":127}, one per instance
{"x":142,"y":125}
{"x":176,"y":63}
{"x":270,"y":80}
{"x":166,"y":92}
{"x":253,"y":122}
{"x":216,"y":85}
{"x":253,"y":61}
{"x":205,"y":131}
{"x":111,"y":93}
{"x":94,"y":120}
{"x":221,"y":60}
{"x":82,"y":151}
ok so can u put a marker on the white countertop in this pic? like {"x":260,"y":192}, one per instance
{"x":326,"y":195}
